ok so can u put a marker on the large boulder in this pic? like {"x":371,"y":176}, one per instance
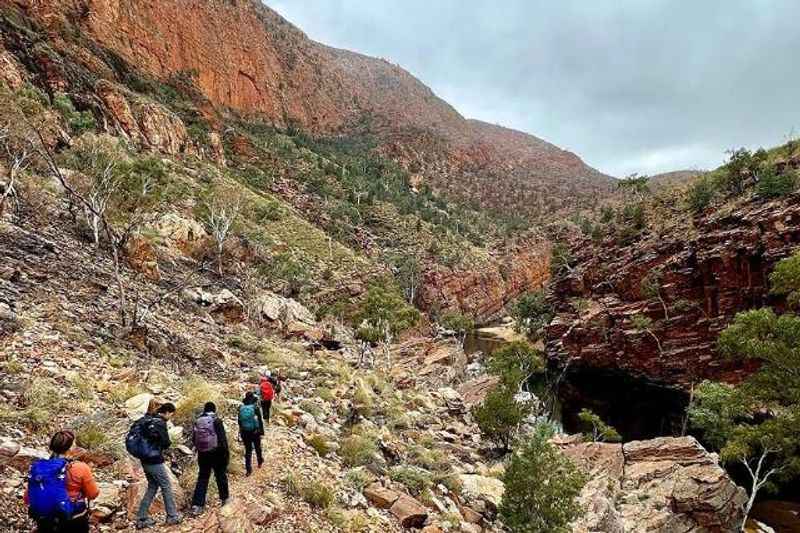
{"x":275,"y":308}
{"x":409,"y":512}
{"x":380,"y":496}
{"x":18,"y":457}
{"x":136,"y":406}
{"x":223,"y":304}
{"x":481,"y":492}
{"x":664,"y":484}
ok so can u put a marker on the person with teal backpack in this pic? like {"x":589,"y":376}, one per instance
{"x":251,"y":429}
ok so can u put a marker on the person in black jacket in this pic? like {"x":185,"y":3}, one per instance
{"x":213,"y":454}
{"x":155,"y":471}
{"x":251,"y":437}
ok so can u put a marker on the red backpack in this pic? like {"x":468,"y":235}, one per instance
{"x":267,"y":391}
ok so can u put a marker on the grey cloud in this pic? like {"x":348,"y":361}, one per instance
{"x":630,"y":85}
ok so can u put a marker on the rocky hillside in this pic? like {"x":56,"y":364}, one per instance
{"x":360,"y":447}
{"x":250,"y":60}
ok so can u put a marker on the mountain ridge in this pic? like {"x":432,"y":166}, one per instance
{"x":249,"y":59}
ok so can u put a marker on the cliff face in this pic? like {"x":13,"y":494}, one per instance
{"x":484,"y":293}
{"x":705,"y":281}
{"x":249,"y":59}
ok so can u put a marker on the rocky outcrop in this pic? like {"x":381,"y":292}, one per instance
{"x":483,"y":293}
{"x":664,"y":484}
{"x":706,"y":277}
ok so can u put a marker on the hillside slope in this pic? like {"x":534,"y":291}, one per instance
{"x":249,"y":59}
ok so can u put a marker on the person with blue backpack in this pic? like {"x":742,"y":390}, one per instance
{"x":211,"y":443}
{"x":251,"y":429}
{"x":147,"y":440}
{"x":59,"y":490}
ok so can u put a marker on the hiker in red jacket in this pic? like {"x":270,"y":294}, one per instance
{"x":267,"y":393}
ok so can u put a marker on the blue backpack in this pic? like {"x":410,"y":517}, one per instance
{"x":47,"y":492}
{"x":248,"y":420}
{"x":139,"y":443}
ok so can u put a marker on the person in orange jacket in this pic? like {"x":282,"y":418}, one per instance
{"x":80,"y":484}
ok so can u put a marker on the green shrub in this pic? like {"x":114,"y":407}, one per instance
{"x":532,"y":313}
{"x":359,"y":478}
{"x":357,"y":450}
{"x":79,"y":121}
{"x":515,"y":363}
{"x":92,"y":436}
{"x":314,"y":492}
{"x":414,"y":479}
{"x":320,"y":445}
{"x":541,"y":488}
{"x":774,"y":185}
{"x":597,"y":429}
{"x":700,"y":194}
{"x":499,"y":416}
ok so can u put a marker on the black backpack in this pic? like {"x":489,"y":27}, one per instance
{"x":140,"y":442}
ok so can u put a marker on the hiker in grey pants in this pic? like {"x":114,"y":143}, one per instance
{"x":157,"y":478}
{"x":156,"y":472}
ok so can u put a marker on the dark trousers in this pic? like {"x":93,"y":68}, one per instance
{"x":266,"y":405}
{"x":79,"y":524}
{"x":252,"y":441}
{"x":217,"y":461}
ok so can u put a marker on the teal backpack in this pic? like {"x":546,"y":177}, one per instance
{"x":248,"y":419}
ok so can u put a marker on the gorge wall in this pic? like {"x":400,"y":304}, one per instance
{"x":707,"y":277}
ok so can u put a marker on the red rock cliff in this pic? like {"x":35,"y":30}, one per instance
{"x":706,"y":280}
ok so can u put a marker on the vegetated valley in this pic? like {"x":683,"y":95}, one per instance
{"x":475,"y":330}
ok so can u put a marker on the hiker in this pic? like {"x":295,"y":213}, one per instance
{"x":59,"y":490}
{"x":211,"y":443}
{"x":251,"y":429}
{"x":266,"y":391}
{"x":147,"y":440}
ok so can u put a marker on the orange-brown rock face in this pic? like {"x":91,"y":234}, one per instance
{"x":484,"y":293}
{"x":247,"y":58}
{"x":706,"y":281}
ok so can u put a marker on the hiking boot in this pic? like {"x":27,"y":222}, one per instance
{"x":196,"y":510}
{"x":147,"y":523}
{"x":174,"y":520}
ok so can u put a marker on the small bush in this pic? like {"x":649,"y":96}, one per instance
{"x":196,"y":392}
{"x":414,"y":479}
{"x":357,"y":450}
{"x":596,"y":429}
{"x":499,"y":416}
{"x":91,"y":436}
{"x":315,"y":493}
{"x":700,"y":194}
{"x":359,"y":478}
{"x":774,"y":185}
{"x":532,"y":313}
{"x":320,"y":445}
{"x":542,"y":488}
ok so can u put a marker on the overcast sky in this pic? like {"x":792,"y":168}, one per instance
{"x":629,"y":85}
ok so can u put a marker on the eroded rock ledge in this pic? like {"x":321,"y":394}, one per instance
{"x":664,"y":484}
